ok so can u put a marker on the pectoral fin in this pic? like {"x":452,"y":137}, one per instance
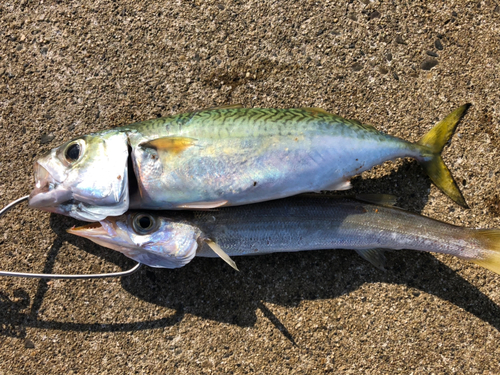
{"x":173,"y":145}
{"x":217,"y":250}
{"x":374,"y":256}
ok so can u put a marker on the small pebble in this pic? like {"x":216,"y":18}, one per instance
{"x":46,"y":138}
{"x":454,"y":14}
{"x":399,"y":40}
{"x":438,"y":45}
{"x":28,"y":344}
{"x":357,"y":67}
{"x":383,"y":69}
{"x":428,"y":63}
{"x":388,"y":57}
{"x":374,"y":14}
{"x":396,"y":77}
{"x":431,"y":53}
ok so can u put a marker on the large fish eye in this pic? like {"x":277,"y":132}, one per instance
{"x":72,"y":152}
{"x":143,"y":223}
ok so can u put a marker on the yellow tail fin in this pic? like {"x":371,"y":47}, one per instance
{"x":435,"y":140}
{"x":490,"y":239}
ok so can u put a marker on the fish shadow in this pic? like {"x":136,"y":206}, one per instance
{"x":212,"y":290}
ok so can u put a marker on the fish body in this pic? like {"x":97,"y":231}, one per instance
{"x":240,"y":156}
{"x":225,"y":157}
{"x":171,"y":239}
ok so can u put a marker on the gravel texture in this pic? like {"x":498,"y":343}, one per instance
{"x":70,"y":69}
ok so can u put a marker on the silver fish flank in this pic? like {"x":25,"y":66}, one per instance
{"x":172,"y":239}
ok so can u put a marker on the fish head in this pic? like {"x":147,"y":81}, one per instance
{"x":149,"y":239}
{"x":86,"y":178}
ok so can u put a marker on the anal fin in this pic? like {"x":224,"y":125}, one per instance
{"x":380,"y":199}
{"x":374,"y":256}
{"x":344,"y":185}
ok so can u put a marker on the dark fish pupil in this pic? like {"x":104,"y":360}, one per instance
{"x":144,"y":222}
{"x":73,"y":152}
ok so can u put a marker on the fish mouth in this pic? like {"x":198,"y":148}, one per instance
{"x":88,"y":230}
{"x":102,"y":229}
{"x":102,"y":233}
{"x":47,"y":192}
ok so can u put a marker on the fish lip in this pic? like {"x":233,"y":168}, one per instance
{"x":48,"y":192}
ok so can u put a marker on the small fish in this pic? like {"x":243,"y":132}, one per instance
{"x":368,"y":225}
{"x":224,"y":157}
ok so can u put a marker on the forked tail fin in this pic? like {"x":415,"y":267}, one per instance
{"x":434,"y":166}
{"x":490,"y":240}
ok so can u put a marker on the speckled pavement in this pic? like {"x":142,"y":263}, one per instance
{"x":70,"y":69}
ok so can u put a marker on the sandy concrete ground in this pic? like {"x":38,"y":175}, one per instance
{"x":67,"y":70}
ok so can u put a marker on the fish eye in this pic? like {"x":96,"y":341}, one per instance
{"x":72,"y":152}
{"x":144,"y":223}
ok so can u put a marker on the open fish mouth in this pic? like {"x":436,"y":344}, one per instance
{"x":103,"y":229}
{"x":47,"y":191}
{"x":102,"y":233}
{"x":89,"y":230}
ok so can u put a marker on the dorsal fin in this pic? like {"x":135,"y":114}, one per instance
{"x":227,"y":106}
{"x":368,"y":127}
{"x":316,"y":111}
{"x":365,"y":126}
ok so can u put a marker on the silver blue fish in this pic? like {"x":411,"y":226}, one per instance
{"x":224,"y":157}
{"x":172,"y":239}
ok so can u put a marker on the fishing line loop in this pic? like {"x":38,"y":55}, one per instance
{"x":11,"y":205}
